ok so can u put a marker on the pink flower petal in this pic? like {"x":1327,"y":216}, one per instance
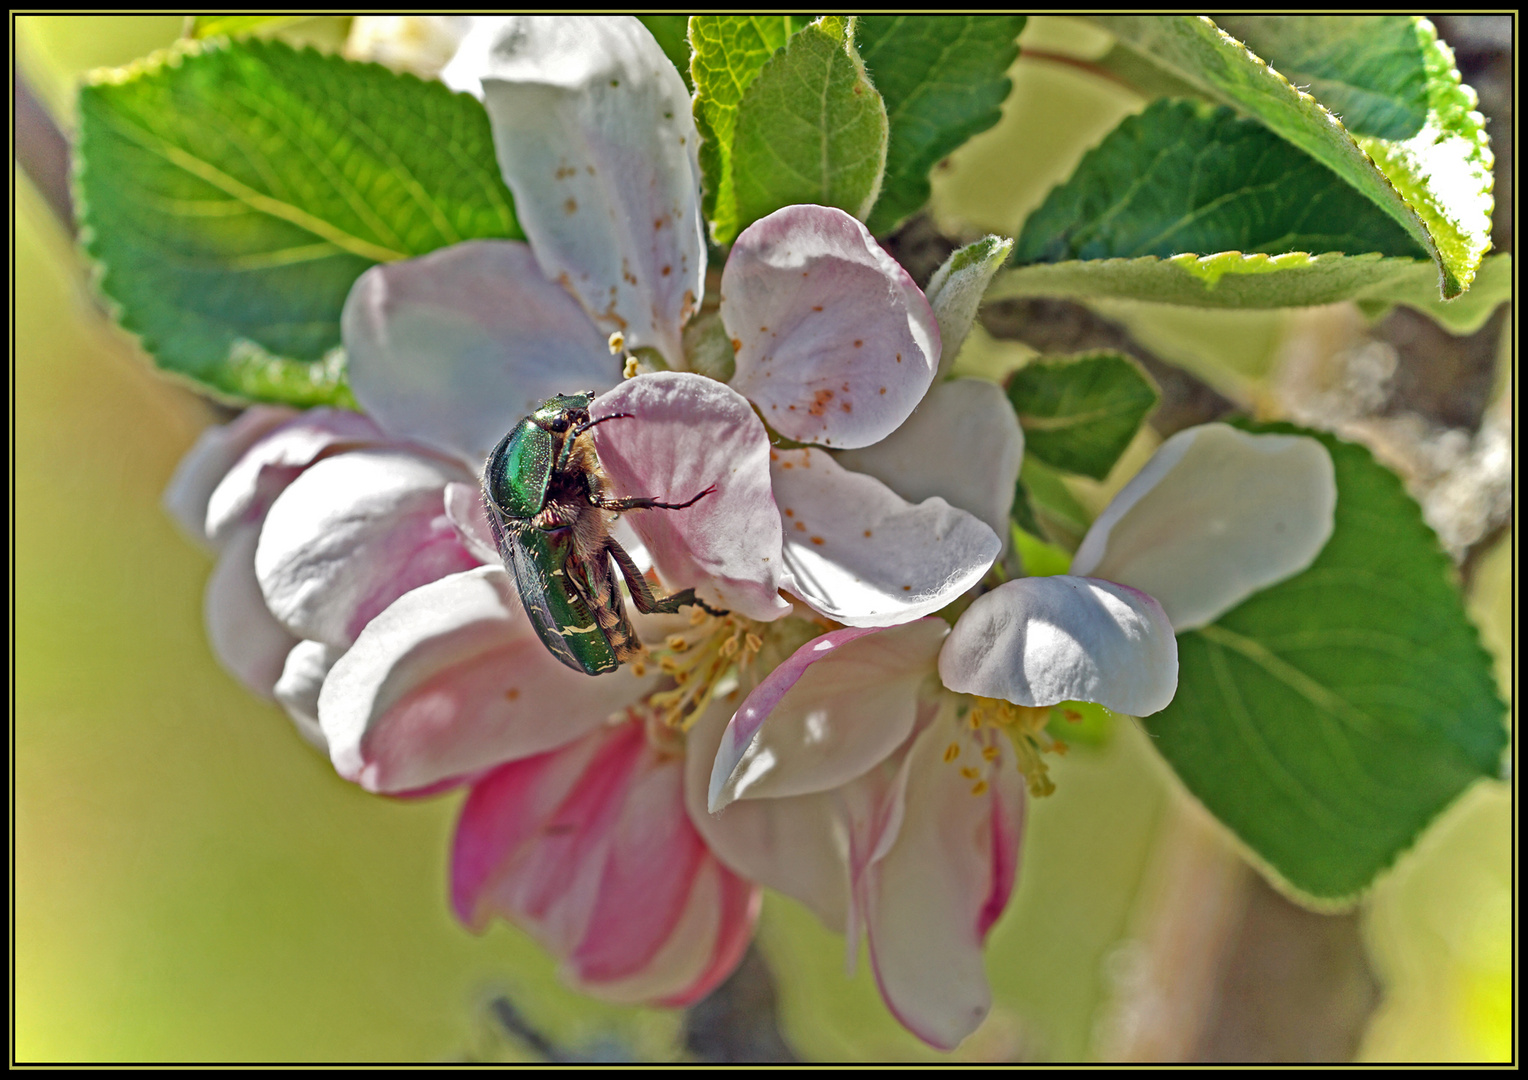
{"x":351,"y":535}
{"x":464,"y":509}
{"x":302,"y":677}
{"x":930,"y":898}
{"x":790,"y":845}
{"x":686,"y":434}
{"x":1216,"y":515}
{"x":834,"y":342}
{"x":595,"y":137}
{"x":208,"y":461}
{"x":268,"y":466}
{"x":245,"y":637}
{"x":454,"y":348}
{"x":861,"y":554}
{"x":963,"y":443}
{"x":1044,"y":640}
{"x":451,"y":679}
{"x":589,"y":849}
{"x":840,"y":704}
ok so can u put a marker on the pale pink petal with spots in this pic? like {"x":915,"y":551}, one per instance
{"x":590,"y":850}
{"x":454,"y":348}
{"x":857,"y":552}
{"x":451,"y":679}
{"x":1044,"y":640}
{"x":351,"y":535}
{"x":963,"y":443}
{"x":596,"y":139}
{"x":840,"y":704}
{"x":934,"y":890}
{"x":686,"y":434}
{"x":1215,"y":515}
{"x":834,"y":342}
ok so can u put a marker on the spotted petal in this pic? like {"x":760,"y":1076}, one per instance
{"x":1044,"y":640}
{"x":962,"y":443}
{"x":351,"y":535}
{"x":686,"y":434}
{"x":859,"y":553}
{"x":451,"y":679}
{"x":595,"y":137}
{"x":453,"y":348}
{"x":1216,"y":515}
{"x":834,"y":342}
{"x":840,"y":704}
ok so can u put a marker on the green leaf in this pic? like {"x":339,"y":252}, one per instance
{"x":1230,"y":279}
{"x":1056,"y":515}
{"x":944,"y":79}
{"x":1038,"y":557}
{"x":811,"y":128}
{"x":956,"y":291}
{"x":729,"y":53}
{"x":1185,"y":176}
{"x":231,"y":193}
{"x":1081,"y":722}
{"x":1080,"y":413}
{"x":672,"y":34}
{"x":1436,"y":184}
{"x":1327,"y":720}
{"x":1365,"y":68}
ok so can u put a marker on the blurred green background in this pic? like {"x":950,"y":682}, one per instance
{"x":193,"y":883}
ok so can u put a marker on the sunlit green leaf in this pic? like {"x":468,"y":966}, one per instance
{"x":1080,"y":413}
{"x":231,"y":193}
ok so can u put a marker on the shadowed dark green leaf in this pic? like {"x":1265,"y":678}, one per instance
{"x":1184,"y":176}
{"x":1436,"y":184}
{"x":811,"y":128}
{"x":672,"y":34}
{"x":1080,"y":413}
{"x":231,"y":193}
{"x":944,"y":79}
{"x":729,"y":53}
{"x":1327,"y":720}
{"x":1055,"y":515}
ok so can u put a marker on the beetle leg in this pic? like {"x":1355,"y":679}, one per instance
{"x":572,"y":437}
{"x":597,"y":586}
{"x":640,"y":503}
{"x":642,"y":593}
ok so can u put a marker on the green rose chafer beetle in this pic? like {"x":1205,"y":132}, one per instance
{"x":545,"y":495}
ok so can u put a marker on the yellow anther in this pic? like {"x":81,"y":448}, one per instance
{"x":970,"y":774}
{"x":729,"y":647}
{"x":632,"y":368}
{"x":676,"y":643}
{"x":639,"y":669}
{"x":952,"y":752}
{"x":617,"y":344}
{"x":990,"y":753}
{"x":755,"y":642}
{"x":980,"y":788}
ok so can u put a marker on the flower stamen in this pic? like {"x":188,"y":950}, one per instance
{"x":707,"y":658}
{"x":1025,"y":727}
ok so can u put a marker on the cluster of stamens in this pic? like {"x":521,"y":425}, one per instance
{"x":1025,"y":728}
{"x":706,"y":659}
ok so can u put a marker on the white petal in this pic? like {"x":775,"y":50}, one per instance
{"x":1045,"y":640}
{"x":451,"y":679}
{"x":834,"y":342}
{"x":245,"y":637}
{"x":946,"y":876}
{"x":464,"y":508}
{"x":351,"y":535}
{"x":421,"y":44}
{"x":957,"y":288}
{"x":454,"y":348}
{"x":797,"y":846}
{"x":595,"y":137}
{"x":301,"y":679}
{"x":837,"y":706}
{"x":1216,"y":515}
{"x":264,"y":471}
{"x":208,"y":461}
{"x":861,"y":554}
{"x":963,"y":443}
